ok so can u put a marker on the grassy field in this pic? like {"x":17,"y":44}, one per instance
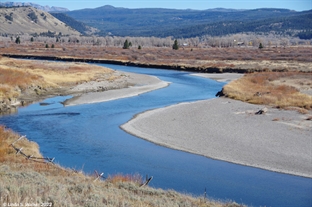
{"x":32,"y":180}
{"x":18,"y":76}
{"x":25,"y":81}
{"x":277,"y":89}
{"x":202,"y":59}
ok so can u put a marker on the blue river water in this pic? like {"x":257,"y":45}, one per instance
{"x":89,"y":137}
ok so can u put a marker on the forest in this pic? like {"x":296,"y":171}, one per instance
{"x":193,"y":23}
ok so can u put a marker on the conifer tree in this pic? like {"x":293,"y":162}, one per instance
{"x":18,"y":40}
{"x":260,"y":46}
{"x":175,"y":45}
{"x":126,"y":45}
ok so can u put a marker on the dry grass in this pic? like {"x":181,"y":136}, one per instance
{"x":13,"y":81}
{"x":203,"y":59}
{"x":119,"y":178}
{"x":262,"y":88}
{"x":26,"y":181}
{"x":22,"y":76}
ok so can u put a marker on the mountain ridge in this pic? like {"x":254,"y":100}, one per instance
{"x":178,"y":23}
{"x":161,"y":22}
{"x":43,"y":8}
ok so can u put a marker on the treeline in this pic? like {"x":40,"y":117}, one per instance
{"x":235,"y":40}
{"x":306,"y":35}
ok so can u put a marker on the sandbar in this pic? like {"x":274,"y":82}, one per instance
{"x":131,"y":85}
{"x":229,"y":130}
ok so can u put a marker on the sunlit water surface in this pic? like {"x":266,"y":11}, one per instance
{"x":88,"y":137}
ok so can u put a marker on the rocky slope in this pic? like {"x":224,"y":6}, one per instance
{"x":21,"y":20}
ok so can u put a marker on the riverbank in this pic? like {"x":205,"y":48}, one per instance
{"x":136,"y":84}
{"x":230,"y":130}
{"x":29,"y":178}
{"x":28,"y":81}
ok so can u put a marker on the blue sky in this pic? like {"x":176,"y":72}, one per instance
{"x":298,"y":5}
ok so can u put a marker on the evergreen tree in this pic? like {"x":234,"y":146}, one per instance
{"x":47,"y":46}
{"x":31,"y":39}
{"x":260,"y":46}
{"x":139,"y":47}
{"x":126,"y":45}
{"x":175,"y":45}
{"x":18,"y":40}
{"x":52,"y":46}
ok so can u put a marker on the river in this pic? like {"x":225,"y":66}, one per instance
{"x":89,"y":137}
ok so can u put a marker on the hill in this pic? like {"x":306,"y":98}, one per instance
{"x":43,"y":8}
{"x":79,"y":26}
{"x":21,"y":20}
{"x":189,"y":23}
{"x":285,"y":25}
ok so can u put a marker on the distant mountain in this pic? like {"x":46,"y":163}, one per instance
{"x":118,"y":21}
{"x":287,"y":25}
{"x":181,"y":23}
{"x":43,"y":8}
{"x":21,"y":20}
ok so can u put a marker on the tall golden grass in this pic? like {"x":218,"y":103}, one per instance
{"x":260,"y":88}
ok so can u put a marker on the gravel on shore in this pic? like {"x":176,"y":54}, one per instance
{"x":230,"y":130}
{"x":130,"y":85}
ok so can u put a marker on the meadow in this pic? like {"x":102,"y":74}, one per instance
{"x":286,"y":90}
{"x":30,"y":80}
{"x":200,"y":59}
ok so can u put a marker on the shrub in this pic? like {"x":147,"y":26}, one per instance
{"x":33,"y":16}
{"x":9,"y":17}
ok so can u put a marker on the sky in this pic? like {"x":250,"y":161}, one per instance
{"x":297,"y":5}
